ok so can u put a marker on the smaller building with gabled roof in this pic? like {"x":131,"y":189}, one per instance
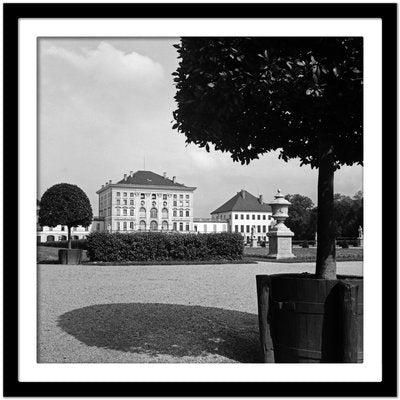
{"x":246,"y":214}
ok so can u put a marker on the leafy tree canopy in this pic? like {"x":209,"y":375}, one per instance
{"x":249,"y":96}
{"x":65,"y":204}
{"x":302,"y":217}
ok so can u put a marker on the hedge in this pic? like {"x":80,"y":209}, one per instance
{"x":148,"y":246}
{"x":75,"y":244}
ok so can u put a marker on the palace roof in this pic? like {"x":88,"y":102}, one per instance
{"x":149,"y":178}
{"x":243,"y":201}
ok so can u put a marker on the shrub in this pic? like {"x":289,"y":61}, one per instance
{"x":344,"y":244}
{"x":305,"y":245}
{"x":148,"y":246}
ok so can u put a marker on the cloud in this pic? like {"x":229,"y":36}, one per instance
{"x":108,"y":65}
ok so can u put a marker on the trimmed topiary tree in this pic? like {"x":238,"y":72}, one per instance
{"x":65,"y":204}
{"x":302,"y":96}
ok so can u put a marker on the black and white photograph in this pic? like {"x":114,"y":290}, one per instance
{"x":170,"y":176}
{"x":203,"y":200}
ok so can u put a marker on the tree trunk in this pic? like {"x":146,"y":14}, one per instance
{"x":326,"y":250}
{"x":69,"y":238}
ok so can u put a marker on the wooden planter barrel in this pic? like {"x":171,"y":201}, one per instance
{"x":310,"y":320}
{"x":70,"y":256}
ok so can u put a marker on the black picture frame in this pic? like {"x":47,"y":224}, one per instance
{"x":12,"y":12}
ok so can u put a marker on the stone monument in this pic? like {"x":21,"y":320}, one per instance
{"x":280,"y":236}
{"x":360,"y":239}
{"x":253,"y":239}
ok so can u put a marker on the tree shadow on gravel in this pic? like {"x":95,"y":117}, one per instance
{"x":173,"y":329}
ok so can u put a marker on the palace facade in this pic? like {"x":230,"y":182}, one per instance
{"x":146,"y":201}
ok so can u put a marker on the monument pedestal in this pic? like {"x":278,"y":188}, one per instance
{"x":280,"y":244}
{"x":360,"y":242}
{"x":253,"y":242}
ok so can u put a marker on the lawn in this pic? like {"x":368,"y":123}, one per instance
{"x":50,"y":255}
{"x":304,"y":254}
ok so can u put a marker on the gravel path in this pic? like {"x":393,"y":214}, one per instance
{"x":208,"y":313}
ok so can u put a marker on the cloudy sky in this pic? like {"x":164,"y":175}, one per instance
{"x":105,"y":108}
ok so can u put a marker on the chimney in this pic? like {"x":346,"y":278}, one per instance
{"x":173,"y":179}
{"x":261,"y":198}
{"x":109,"y":182}
{"x":106,"y":183}
{"x":102,"y":186}
{"x":164,"y":175}
{"x":125,"y":177}
{"x":131,"y":173}
{"x":243,"y":194}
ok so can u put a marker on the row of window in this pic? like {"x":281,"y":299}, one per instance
{"x":247,"y":227}
{"x":153,"y":195}
{"x":153,"y":212}
{"x":252,"y":217}
{"x":153,"y":226}
{"x":64,"y":228}
{"x":214,"y":228}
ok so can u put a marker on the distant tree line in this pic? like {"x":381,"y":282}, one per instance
{"x":348,"y":215}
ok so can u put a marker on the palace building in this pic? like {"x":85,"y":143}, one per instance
{"x":245,"y":214}
{"x":146,"y":201}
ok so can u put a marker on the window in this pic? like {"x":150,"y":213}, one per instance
{"x":187,"y":196}
{"x":187,"y":213}
{"x":187,"y":204}
{"x":142,"y":196}
{"x":175,"y":203}
{"x":131,"y":194}
{"x":174,"y":226}
{"x":164,"y":196}
{"x":205,"y":228}
{"x":86,"y":228}
{"x":263,"y":216}
{"x":51,"y":228}
{"x":247,"y":216}
{"x":195,"y":228}
{"x":215,"y":227}
{"x":181,"y":226}
{"x":236,"y":228}
{"x":142,"y":212}
{"x":258,"y":216}
{"x":98,"y":226}
{"x":241,"y":216}
{"x":181,"y":196}
{"x":153,"y":225}
{"x":118,"y":193}
{"x":125,"y":211}
{"x":125,"y":202}
{"x":253,"y":217}
{"x":269,"y":217}
{"x":174,"y":213}
{"x":187,"y":227}
{"x":247,"y":228}
{"x":131,"y":225}
{"x":181,"y":204}
{"x":118,"y":202}
{"x":118,"y":211}
{"x":236,"y":216}
{"x":125,"y":225}
{"x":142,"y":225}
{"x":175,"y":196}
{"x":242,"y":228}
{"x":264,"y":228}
{"x":153,"y":196}
{"x":131,"y":202}
{"x":153,"y":213}
{"x":125,"y":194}
{"x":164,"y":213}
{"x":258,"y":228}
{"x":165,"y":204}
{"x":118,"y":226}
{"x":63,"y":228}
{"x":181,"y":213}
{"x":164,"y":226}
